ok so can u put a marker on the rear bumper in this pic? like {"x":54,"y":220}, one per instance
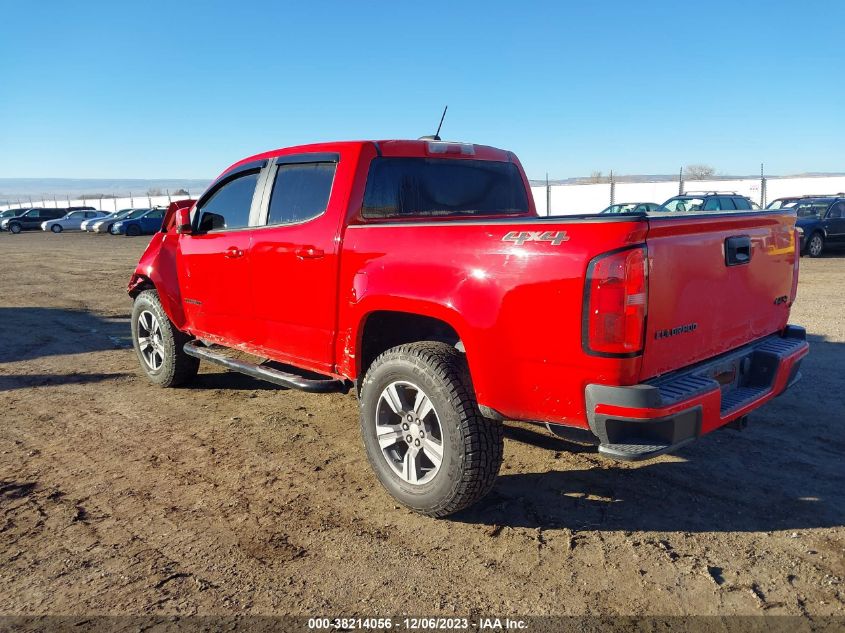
{"x":644,"y":421}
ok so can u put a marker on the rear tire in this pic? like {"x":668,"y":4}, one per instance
{"x":408,"y":393}
{"x":56,"y":228}
{"x":159,"y":345}
{"x":815,"y":245}
{"x":133,"y":230}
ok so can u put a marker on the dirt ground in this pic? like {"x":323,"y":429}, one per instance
{"x":233,"y":496}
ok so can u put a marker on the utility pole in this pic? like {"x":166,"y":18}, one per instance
{"x":681,"y":182}
{"x":762,"y":188}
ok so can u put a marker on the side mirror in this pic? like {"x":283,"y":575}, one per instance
{"x":183,"y":221}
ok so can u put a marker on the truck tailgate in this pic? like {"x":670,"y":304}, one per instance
{"x":715,"y":283}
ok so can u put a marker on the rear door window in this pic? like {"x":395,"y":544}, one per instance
{"x":300,"y":192}
{"x":228,"y":207}
{"x":413,"y":187}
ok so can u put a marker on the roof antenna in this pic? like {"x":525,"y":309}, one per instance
{"x":436,"y":136}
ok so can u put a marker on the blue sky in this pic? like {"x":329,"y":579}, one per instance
{"x":182,"y":89}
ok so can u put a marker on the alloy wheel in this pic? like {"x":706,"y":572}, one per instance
{"x":409,"y":432}
{"x":150,"y":341}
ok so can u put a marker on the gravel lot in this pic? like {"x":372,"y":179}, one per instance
{"x":233,"y":496}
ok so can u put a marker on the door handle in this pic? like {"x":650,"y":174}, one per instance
{"x":233,"y":252}
{"x":309,"y":252}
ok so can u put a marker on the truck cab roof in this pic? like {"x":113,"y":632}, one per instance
{"x":390,"y":147}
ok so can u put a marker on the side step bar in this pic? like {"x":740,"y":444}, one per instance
{"x":262,"y":372}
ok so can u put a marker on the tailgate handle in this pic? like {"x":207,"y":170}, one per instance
{"x":737,"y":250}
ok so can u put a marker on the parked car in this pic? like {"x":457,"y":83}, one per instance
{"x":633,"y":207}
{"x":71,"y":221}
{"x":10,"y":213}
{"x":32,"y":219}
{"x":791,"y":201}
{"x":103,"y":225}
{"x":695,"y":201}
{"x":139,"y":222}
{"x":7,"y":215}
{"x":414,"y":271}
{"x":820,"y":223}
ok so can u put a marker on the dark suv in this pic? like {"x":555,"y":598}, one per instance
{"x":708,"y":201}
{"x":32,"y":219}
{"x":820,"y":223}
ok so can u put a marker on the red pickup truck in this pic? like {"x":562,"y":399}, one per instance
{"x":419,"y":274}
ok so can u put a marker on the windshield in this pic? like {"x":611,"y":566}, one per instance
{"x":134,"y":214}
{"x":682,"y":205}
{"x":628,"y":207}
{"x":811,"y":208}
{"x":407,"y":187}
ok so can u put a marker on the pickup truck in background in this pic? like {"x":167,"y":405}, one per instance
{"x":418,"y":274}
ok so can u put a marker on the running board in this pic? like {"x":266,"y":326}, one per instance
{"x":262,"y":372}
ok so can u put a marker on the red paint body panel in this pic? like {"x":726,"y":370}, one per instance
{"x":690,"y":283}
{"x":302,"y":293}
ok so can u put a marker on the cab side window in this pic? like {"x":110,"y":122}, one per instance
{"x":300,"y":192}
{"x":228,"y":207}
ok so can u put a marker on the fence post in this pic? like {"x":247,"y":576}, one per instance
{"x":131,"y":200}
{"x":548,"y":196}
{"x":681,"y":182}
{"x":612,"y":189}
{"x":762,"y":188}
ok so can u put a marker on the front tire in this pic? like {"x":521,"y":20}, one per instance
{"x":133,"y":230}
{"x":159,"y":345}
{"x":56,"y":228}
{"x":815,"y":246}
{"x":15,"y":228}
{"x":425,"y":437}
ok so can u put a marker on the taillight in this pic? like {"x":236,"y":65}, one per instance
{"x":615,"y":303}
{"x":794,"y":291}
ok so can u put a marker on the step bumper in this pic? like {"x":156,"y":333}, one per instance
{"x":639,"y":422}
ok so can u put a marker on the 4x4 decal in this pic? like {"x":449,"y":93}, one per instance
{"x":520,"y":237}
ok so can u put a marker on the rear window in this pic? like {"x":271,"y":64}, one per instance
{"x":409,"y":187}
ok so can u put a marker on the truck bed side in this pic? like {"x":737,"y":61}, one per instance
{"x":515,"y":302}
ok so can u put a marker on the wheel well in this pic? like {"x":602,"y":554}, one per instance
{"x":383,"y":330}
{"x":139,"y":285}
